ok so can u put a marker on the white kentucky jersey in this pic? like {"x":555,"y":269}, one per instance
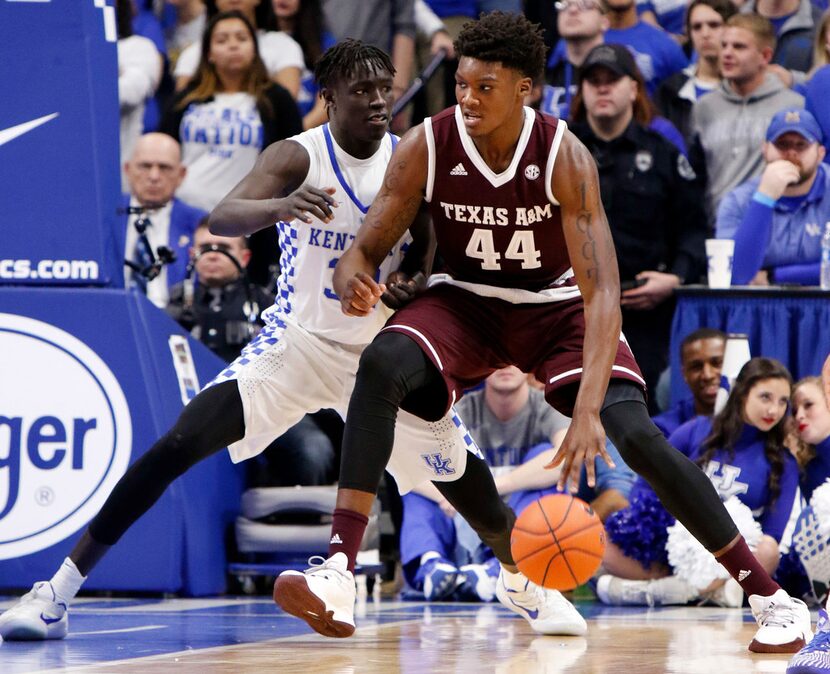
{"x":310,"y":251}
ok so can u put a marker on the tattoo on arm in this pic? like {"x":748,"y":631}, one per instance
{"x":390,"y":218}
{"x":584,"y":224}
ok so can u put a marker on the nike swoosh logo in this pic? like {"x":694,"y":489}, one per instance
{"x":533,"y":614}
{"x":13,"y":132}
{"x":49,"y":621}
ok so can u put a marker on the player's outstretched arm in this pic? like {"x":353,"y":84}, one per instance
{"x":575,"y":185}
{"x":392,"y":212}
{"x":272,"y":191}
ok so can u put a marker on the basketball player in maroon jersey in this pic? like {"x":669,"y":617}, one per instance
{"x":530,"y":280}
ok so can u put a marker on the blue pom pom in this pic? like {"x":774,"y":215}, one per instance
{"x":640,"y":529}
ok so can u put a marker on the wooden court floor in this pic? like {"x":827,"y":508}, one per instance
{"x":239,"y":635}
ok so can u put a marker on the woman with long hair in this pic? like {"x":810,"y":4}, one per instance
{"x":227,"y":115}
{"x":281,"y":55}
{"x":742,"y":449}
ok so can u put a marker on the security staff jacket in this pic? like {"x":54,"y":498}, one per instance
{"x":653,"y":200}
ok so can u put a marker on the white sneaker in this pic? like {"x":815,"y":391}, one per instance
{"x":728,"y":595}
{"x":35,"y":617}
{"x":323,"y":595}
{"x":668,"y":591}
{"x":783,"y":623}
{"x":547,"y":611}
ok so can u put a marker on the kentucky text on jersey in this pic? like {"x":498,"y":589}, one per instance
{"x":325,"y":238}
{"x":488,"y":215}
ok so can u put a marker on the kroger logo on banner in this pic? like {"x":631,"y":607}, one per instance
{"x":65,"y":435}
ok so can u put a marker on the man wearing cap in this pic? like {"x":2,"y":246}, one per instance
{"x":653,"y":199}
{"x":777,"y":219}
{"x":729,"y":123}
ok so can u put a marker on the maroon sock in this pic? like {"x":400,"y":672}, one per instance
{"x":347,"y":529}
{"x":745,"y":568}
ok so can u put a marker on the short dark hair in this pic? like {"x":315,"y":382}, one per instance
{"x":725,"y":8}
{"x":700,"y":334}
{"x":346,"y":58}
{"x":509,"y":39}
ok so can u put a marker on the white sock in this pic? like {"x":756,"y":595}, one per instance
{"x":514,"y":581}
{"x":67,"y":581}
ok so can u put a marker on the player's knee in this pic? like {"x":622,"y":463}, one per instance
{"x":380,"y":372}
{"x":172,"y":455}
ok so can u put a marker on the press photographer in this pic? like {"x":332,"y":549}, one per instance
{"x":216,"y":302}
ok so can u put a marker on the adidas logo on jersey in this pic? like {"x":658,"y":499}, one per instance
{"x":336,"y":540}
{"x":743,"y":575}
{"x":459,"y":170}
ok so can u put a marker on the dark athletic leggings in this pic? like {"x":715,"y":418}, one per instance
{"x":210,"y":422}
{"x":394,"y":372}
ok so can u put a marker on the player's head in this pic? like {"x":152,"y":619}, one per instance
{"x":701,"y":361}
{"x":355,"y":81}
{"x":499,"y":56}
{"x":154,"y":170}
{"x":214,"y":268}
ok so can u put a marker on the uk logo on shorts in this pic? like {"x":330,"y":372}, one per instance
{"x":438,"y":464}
{"x":65,"y":434}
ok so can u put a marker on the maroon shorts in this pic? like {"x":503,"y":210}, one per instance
{"x":468,"y":337}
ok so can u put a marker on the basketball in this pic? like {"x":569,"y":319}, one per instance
{"x":558,"y":542}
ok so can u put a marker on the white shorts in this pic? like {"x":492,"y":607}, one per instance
{"x":287,"y":372}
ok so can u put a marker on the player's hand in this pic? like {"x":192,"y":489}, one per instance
{"x":362,"y":294}
{"x":584,"y":440}
{"x":306,"y":201}
{"x":401,"y":288}
{"x":777,"y":176}
{"x":657,"y":288}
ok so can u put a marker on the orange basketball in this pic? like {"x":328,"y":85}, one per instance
{"x":558,"y":541}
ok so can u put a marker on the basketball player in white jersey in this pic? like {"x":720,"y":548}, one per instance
{"x":317,"y":186}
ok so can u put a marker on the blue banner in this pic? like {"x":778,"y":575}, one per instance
{"x":59,"y":143}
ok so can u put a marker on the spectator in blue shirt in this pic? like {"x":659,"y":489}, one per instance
{"x":657,"y":55}
{"x":701,"y":360}
{"x":778,"y":218}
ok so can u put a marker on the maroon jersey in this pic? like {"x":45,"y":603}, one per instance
{"x":500,"y":229}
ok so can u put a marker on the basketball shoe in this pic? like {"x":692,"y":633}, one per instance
{"x":323,"y":595}
{"x":36,"y":616}
{"x":476,"y":583}
{"x":547,"y":611}
{"x":814,"y":658}
{"x":783,"y":623}
{"x":668,"y":591}
{"x":439,"y":577}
